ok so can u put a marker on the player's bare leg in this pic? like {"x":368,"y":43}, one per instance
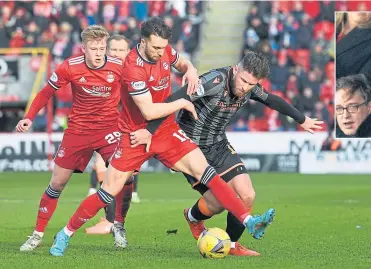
{"x":243,"y":186}
{"x":105,"y":224}
{"x":112,"y":185}
{"x":48,"y":204}
{"x":195,"y":164}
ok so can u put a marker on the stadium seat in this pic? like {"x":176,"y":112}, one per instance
{"x":312,"y":8}
{"x":326,"y":27}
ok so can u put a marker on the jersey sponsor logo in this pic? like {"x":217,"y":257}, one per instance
{"x":165,"y":65}
{"x":110,"y":77}
{"x":99,"y":91}
{"x":54,"y":77}
{"x":161,"y":87}
{"x":82,"y":80}
{"x":163,"y":84}
{"x":139,"y":85}
{"x":164,"y":80}
{"x":139,"y":62}
{"x":226,"y":106}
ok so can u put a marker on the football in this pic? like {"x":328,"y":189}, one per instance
{"x":214,"y":243}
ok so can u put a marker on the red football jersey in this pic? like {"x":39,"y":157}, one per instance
{"x":139,"y":77}
{"x":96,"y":92}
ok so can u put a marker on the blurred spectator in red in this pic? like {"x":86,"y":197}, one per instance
{"x":292,"y":84}
{"x":327,"y":91}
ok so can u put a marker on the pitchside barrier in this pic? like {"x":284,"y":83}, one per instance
{"x":260,"y":152}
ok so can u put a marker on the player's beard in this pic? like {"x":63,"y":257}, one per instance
{"x":148,"y":56}
{"x":235,"y":91}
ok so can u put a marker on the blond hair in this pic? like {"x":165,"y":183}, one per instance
{"x":342,"y":18}
{"x":94,"y":32}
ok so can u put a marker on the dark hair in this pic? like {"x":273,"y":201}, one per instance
{"x":155,"y":26}
{"x":256,"y":64}
{"x":353,"y":84}
{"x":117,"y":38}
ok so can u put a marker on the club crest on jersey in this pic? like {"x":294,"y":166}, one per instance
{"x":54,"y":77}
{"x":61,"y":152}
{"x":118,"y":153}
{"x":139,"y":85}
{"x":110,"y":77}
{"x":165,"y":65}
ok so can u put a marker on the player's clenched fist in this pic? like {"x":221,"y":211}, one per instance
{"x":23,"y":126}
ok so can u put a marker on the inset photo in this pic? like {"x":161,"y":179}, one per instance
{"x":353,"y":107}
{"x":353,"y":75}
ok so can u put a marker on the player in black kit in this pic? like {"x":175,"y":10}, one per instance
{"x":221,"y":93}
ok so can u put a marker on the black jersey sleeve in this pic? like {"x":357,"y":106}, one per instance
{"x":277,"y":103}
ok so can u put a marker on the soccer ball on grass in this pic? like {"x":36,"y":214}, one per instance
{"x":214,"y":243}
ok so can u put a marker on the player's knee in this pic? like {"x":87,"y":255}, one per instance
{"x":115,"y":180}
{"x":58,"y":184}
{"x":194,"y":164}
{"x":248,"y":197}
{"x":60,"y":178}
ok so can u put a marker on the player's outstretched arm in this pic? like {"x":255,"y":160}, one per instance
{"x":151,"y":111}
{"x":38,"y":103}
{"x":277,"y":103}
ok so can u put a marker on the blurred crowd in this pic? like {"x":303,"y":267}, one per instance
{"x":297,"y":38}
{"x":57,"y":24}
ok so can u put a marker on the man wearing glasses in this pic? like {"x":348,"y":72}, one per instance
{"x":353,"y":106}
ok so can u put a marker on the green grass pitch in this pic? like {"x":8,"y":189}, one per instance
{"x":322,"y":221}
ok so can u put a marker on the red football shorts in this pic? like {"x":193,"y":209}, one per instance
{"x":76,"y":150}
{"x":168,"y":145}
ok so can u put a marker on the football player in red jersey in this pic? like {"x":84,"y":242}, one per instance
{"x":146,"y":86}
{"x":92,"y":124}
{"x":117,"y":46}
